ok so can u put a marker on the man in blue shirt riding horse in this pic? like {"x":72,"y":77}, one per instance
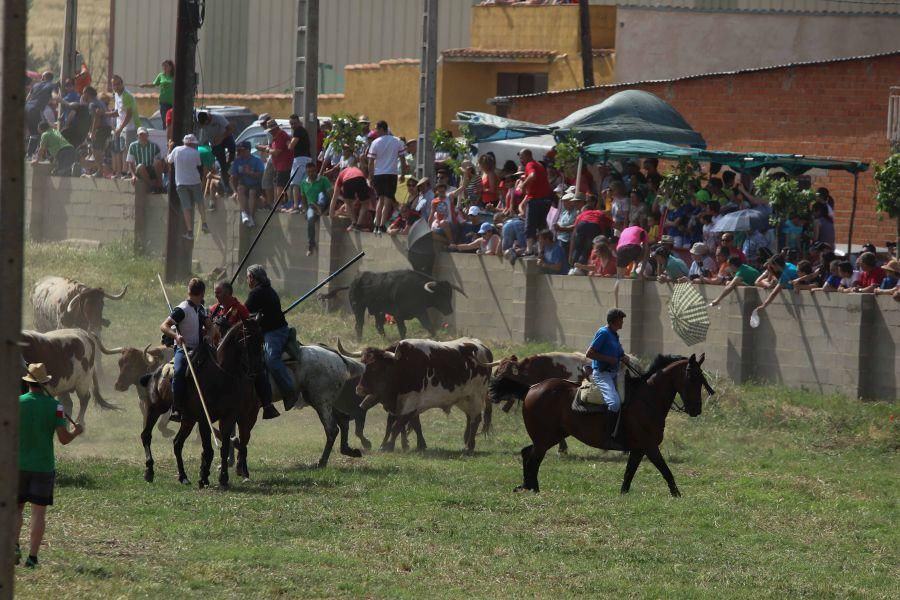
{"x":606,"y":353}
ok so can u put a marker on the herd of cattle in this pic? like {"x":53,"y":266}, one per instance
{"x":407,"y":377}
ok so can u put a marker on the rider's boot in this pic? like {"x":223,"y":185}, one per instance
{"x":616,"y":431}
{"x":177,"y":404}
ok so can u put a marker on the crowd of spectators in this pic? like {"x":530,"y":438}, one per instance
{"x":614,"y":224}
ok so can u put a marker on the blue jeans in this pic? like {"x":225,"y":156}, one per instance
{"x":606,"y":381}
{"x":312,"y":216}
{"x":273,"y":346}
{"x":179,"y":378}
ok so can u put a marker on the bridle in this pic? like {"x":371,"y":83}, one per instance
{"x":246,"y":365}
{"x":687,"y":379}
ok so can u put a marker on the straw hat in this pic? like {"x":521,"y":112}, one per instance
{"x":699,"y":249}
{"x":37,"y":373}
{"x":893,"y":266}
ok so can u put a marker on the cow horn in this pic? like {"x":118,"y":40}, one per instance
{"x":346,"y":352}
{"x":429,"y":286}
{"x":368,"y":402}
{"x":105,"y":351}
{"x":492,"y":364}
{"x":147,"y":356}
{"x":117,"y":296}
{"x":459,"y":289}
{"x":70,"y":305}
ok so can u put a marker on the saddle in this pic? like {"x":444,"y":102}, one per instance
{"x":588,"y":399}
{"x":292,"y":347}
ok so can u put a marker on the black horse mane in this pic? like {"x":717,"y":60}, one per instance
{"x":661,"y":362}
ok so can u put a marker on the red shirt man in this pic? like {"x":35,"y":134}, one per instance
{"x":536,"y":183}
{"x":282,"y":156}
{"x":598,"y":217}
{"x":227,"y":305}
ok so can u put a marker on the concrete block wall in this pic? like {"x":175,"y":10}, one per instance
{"x":846,"y":343}
{"x":79,"y":207}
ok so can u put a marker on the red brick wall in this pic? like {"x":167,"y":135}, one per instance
{"x":836,"y":109}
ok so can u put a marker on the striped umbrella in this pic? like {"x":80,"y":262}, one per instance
{"x":690,"y":317}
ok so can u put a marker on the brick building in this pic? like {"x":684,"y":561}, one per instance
{"x":835,"y":108}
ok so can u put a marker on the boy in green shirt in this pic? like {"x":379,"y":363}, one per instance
{"x":316,"y":193}
{"x":56,"y":148}
{"x":40,"y":415}
{"x":743,"y":274}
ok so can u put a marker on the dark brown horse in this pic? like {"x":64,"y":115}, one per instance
{"x":549,"y":417}
{"x":226,"y":376}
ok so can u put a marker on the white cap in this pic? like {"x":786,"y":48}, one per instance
{"x":190,"y":139}
{"x":474,"y":211}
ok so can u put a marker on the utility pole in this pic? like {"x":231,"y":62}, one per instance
{"x":587,"y":56}
{"x":178,"y":249}
{"x":67,"y":66}
{"x":427,"y":90}
{"x":13,"y":19}
{"x":306,"y":68}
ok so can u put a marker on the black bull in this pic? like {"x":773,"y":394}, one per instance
{"x":403,"y":294}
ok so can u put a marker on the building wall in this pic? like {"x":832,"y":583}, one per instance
{"x":662,"y":44}
{"x":248,"y":47}
{"x":836,"y":109}
{"x":531,"y":27}
{"x":846,"y":343}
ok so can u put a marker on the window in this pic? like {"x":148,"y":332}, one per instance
{"x":515,"y":84}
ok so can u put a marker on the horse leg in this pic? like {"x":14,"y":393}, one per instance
{"x":343,"y":423}
{"x":634,"y":460}
{"x":563,"y":447}
{"x":231,"y":436}
{"x":360,"y":423}
{"x":206,"y":455}
{"x":245,"y":426}
{"x":416,"y":424}
{"x":150,"y":418}
{"x":187,"y":425}
{"x":531,"y":462}
{"x":659,"y":462}
{"x":226,"y":452}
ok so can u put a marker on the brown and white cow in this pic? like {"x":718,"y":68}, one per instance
{"x":422,"y":374}
{"x":61,"y":303}
{"x":134,"y":363}
{"x":533,"y":370}
{"x":71,"y":356}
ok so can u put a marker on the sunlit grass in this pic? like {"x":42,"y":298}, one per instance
{"x":786,"y":494}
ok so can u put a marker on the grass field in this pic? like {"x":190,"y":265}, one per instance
{"x":787,"y":494}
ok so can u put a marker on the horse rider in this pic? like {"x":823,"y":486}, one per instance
{"x":264,"y":301}
{"x":229,"y":311}
{"x":606,"y":352}
{"x":185,"y":325}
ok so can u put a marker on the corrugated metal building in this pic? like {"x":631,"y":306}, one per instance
{"x":247,"y":46}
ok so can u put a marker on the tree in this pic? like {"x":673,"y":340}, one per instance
{"x":887,"y":197}
{"x":679,"y":183}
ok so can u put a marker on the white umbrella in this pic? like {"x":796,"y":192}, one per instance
{"x":739,"y":220}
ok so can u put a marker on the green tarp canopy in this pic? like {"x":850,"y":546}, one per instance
{"x":627,"y":115}
{"x":741,"y":162}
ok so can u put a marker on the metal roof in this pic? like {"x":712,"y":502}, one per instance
{"x":841,"y":7}
{"x":609,"y":86}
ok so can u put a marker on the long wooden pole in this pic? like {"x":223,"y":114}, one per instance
{"x":322,"y":283}
{"x":187,"y":357}
{"x":12,"y":226}
{"x":852,"y":213}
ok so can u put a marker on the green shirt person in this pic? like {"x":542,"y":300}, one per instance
{"x":743,"y":274}
{"x":40,"y":416}
{"x":165,"y":81}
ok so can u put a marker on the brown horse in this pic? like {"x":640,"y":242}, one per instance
{"x":549,"y":417}
{"x":226,"y":376}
